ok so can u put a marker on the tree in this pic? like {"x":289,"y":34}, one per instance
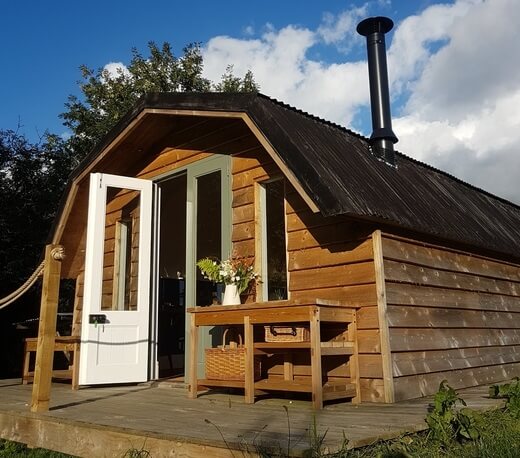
{"x":231,"y":83}
{"x":107,"y":97}
{"x":32,"y":178}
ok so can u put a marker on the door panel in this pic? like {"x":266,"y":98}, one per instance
{"x":208,"y":234}
{"x":115,"y":321}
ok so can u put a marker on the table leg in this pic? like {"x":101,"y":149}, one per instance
{"x":194,"y":343}
{"x":249,"y":383}
{"x":75,"y":366}
{"x":317,"y":382}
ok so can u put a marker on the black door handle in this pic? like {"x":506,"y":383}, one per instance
{"x":97,"y":318}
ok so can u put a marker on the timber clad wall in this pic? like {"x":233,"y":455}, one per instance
{"x":451,"y":316}
{"x":328,"y":258}
{"x":196,"y":141}
{"x":425,"y":313}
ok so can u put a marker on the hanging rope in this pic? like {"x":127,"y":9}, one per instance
{"x":57,"y":253}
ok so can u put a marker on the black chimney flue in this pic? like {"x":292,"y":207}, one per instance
{"x":382,"y":138}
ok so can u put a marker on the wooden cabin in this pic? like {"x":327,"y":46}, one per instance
{"x":430,"y":264}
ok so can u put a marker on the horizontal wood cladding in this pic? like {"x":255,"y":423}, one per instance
{"x":452,"y":315}
{"x":420,"y":317}
{"x":330,"y":277}
{"x":406,"y":339}
{"x":372,"y":389}
{"x":424,"y":362}
{"x":415,"y":386}
{"x":331,"y":233}
{"x":420,"y":275}
{"x":327,"y":258}
{"x":332,"y":255}
{"x":418,"y":295}
{"x":447,"y":259}
{"x":356,"y":295}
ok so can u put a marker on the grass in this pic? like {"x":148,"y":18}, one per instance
{"x":454,"y":431}
{"x":10,"y":449}
{"x":499,"y":438}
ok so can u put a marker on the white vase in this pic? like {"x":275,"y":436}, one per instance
{"x":231,"y":296}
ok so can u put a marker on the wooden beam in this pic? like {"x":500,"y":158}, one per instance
{"x":47,"y":329}
{"x":383,"y":322}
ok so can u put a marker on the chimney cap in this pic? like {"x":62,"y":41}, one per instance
{"x":378,"y":24}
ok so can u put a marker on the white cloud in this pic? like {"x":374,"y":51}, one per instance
{"x":453,"y":68}
{"x":410,"y":48}
{"x":116,"y":69}
{"x":462,"y":111}
{"x":341,"y":30}
{"x":280,"y":64}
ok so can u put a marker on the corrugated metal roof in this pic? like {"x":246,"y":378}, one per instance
{"x":337,"y":170}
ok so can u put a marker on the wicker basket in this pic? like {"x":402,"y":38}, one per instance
{"x":227,"y":362}
{"x":275,"y":333}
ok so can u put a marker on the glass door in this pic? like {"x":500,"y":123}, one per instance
{"x":193,"y":222}
{"x":208,"y":233}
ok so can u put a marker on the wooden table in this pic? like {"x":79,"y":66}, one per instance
{"x":268,"y":313}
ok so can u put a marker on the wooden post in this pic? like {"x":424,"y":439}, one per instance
{"x":316,"y":375}
{"x":386,"y":355}
{"x":47,"y":329}
{"x":249,"y":382}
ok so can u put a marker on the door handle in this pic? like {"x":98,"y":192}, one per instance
{"x":97,"y":318}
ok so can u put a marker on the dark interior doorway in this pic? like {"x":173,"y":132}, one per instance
{"x":172,"y":272}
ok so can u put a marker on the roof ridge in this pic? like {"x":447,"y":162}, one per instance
{"x":399,"y":153}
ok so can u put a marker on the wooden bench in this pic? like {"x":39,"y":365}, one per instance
{"x":65,"y":344}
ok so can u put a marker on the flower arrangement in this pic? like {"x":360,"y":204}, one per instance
{"x":233,"y":271}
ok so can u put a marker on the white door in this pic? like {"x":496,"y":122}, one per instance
{"x":116,"y":300}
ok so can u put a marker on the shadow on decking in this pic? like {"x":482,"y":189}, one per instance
{"x":93,"y":399}
{"x":108,"y":421}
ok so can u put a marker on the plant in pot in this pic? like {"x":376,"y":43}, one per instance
{"x":235,"y":273}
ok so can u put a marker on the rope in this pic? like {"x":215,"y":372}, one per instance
{"x":57,"y":253}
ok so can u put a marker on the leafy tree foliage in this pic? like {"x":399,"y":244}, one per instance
{"x":108,"y":96}
{"x":32,"y":178}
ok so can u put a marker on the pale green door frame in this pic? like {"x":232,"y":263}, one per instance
{"x":194,"y":173}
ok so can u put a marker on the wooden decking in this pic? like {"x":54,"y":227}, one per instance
{"x":98,"y":422}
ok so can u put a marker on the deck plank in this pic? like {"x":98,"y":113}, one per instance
{"x":165,"y":417}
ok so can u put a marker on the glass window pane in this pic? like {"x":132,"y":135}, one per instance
{"x":209,"y":232}
{"x":275,"y":241}
{"x":121,"y":253}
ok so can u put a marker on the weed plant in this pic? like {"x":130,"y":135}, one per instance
{"x":454,"y":431}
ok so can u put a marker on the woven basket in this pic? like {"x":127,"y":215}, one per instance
{"x":228,"y":362}
{"x":275,"y":333}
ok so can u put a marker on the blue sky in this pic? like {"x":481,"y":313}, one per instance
{"x":44,"y":43}
{"x":452,"y":66}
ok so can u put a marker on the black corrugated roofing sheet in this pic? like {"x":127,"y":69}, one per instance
{"x":337,"y":170}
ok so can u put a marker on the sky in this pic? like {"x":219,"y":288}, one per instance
{"x":453,"y":66}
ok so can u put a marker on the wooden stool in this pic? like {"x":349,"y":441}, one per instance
{"x":61,"y":343}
